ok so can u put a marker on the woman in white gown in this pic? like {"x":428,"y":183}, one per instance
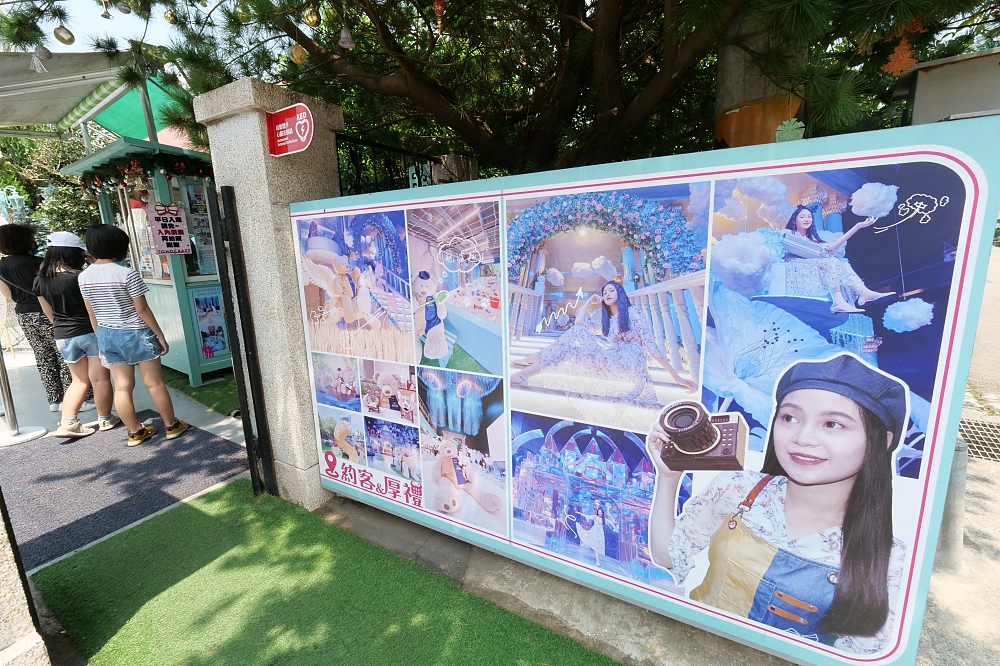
{"x":582,"y":367}
{"x":593,"y":537}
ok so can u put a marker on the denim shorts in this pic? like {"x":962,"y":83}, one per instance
{"x":75,"y":348}
{"x":130,"y":345}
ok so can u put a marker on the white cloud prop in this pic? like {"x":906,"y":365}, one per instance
{"x":743,"y":262}
{"x":604,"y":268}
{"x":908,"y":315}
{"x":874,"y":200}
{"x":582,"y":269}
{"x":697,"y":206}
{"x":555,"y":278}
{"x":769,"y":191}
{"x":735,"y":208}
{"x":776,"y":215}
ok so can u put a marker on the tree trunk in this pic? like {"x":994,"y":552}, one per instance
{"x":748,"y":105}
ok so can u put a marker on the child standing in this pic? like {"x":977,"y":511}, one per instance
{"x":127,"y":332}
{"x":59,"y":296}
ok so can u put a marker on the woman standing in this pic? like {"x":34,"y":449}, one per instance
{"x":17,"y":274}
{"x":583,"y":367}
{"x":59,"y":295}
{"x":592,"y":536}
{"x":827,"y":274}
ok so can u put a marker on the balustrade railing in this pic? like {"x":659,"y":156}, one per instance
{"x":525,"y":310}
{"x":664,"y":303}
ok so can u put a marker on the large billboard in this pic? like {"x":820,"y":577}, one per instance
{"x":723,"y":386}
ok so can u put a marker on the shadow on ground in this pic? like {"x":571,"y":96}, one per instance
{"x":234,"y":579}
{"x":63,"y":494}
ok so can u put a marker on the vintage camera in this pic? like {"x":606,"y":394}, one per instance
{"x":702,"y":441}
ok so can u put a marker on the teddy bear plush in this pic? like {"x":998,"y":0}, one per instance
{"x":388,"y":385}
{"x":409,"y":466}
{"x":407,"y":404}
{"x":340,"y":433}
{"x":425,"y":291}
{"x":451,"y":484}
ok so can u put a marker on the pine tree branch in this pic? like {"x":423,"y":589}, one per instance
{"x":402,"y":83}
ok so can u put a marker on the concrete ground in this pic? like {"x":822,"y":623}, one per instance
{"x":984,"y":374}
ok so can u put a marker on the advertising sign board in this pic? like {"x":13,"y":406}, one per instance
{"x":169,"y":228}
{"x":724,"y":386}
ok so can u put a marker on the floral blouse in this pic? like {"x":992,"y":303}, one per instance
{"x":704,"y":514}
{"x":640,"y":333}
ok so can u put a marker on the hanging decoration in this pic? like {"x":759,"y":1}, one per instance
{"x":346,"y":40}
{"x":298,"y":54}
{"x":41,"y":53}
{"x":311,"y":17}
{"x":242,"y":14}
{"x":63,"y":34}
{"x":134,"y":171}
{"x":123,"y":8}
{"x":170,"y":17}
{"x":106,"y":14}
{"x":670,"y":246}
{"x":901,"y":59}
{"x":908,"y":315}
{"x":439,"y":13}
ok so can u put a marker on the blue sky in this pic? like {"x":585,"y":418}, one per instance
{"x":86,"y":23}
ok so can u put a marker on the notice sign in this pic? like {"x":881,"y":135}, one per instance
{"x":289,"y":130}
{"x":170,"y":233}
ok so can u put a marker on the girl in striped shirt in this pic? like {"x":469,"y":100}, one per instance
{"x":127,"y":332}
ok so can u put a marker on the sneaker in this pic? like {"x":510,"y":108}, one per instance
{"x":137,"y":438}
{"x":55,"y":407}
{"x":177,"y":429}
{"x":74,"y":430}
{"x":86,"y":406}
{"x":107,"y":422}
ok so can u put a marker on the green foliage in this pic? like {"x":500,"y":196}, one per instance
{"x":65,"y":209}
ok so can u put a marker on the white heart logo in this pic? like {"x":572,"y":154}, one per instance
{"x":302,"y":129}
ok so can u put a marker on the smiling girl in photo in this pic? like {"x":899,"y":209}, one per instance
{"x":806,"y":544}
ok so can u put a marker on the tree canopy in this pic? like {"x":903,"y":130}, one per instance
{"x":527,"y":85}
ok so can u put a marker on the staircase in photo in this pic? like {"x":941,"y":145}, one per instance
{"x":665,"y":306}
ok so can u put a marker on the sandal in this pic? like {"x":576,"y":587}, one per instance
{"x":879,"y":295}
{"x":845,"y":309}
{"x":518,"y":379}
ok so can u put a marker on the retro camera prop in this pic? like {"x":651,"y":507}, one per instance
{"x":702,"y":441}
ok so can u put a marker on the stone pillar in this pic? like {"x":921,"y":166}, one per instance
{"x":951,"y":541}
{"x":20,"y":643}
{"x":264,"y":187}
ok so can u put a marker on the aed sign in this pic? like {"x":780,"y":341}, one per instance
{"x":289,"y":130}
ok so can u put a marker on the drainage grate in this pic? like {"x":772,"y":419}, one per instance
{"x":983,"y":438}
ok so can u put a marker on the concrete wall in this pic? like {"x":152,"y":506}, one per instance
{"x":20,"y":644}
{"x":264,"y":187}
{"x":961,"y":86}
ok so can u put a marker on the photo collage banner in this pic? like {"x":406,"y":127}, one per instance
{"x":721,"y":391}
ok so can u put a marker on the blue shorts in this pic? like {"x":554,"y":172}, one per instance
{"x":130,"y":345}
{"x":75,"y":348}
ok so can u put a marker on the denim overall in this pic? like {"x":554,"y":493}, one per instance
{"x":749,"y":577}
{"x":431,"y":314}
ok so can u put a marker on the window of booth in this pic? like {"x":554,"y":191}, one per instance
{"x":150,"y":265}
{"x":192,"y":194}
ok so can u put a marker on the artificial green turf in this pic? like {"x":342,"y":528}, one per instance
{"x":218,"y":396}
{"x":235,"y":579}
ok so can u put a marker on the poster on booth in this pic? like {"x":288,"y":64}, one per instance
{"x":724,"y":386}
{"x":169,"y":228}
{"x":210,"y":320}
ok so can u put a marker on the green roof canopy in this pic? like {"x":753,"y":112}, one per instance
{"x":124,"y":117}
{"x":127,"y":146}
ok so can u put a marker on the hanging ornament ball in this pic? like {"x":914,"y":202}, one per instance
{"x":242,"y":13}
{"x":63,"y":34}
{"x":123,"y":8}
{"x":346,"y":40}
{"x":170,"y":17}
{"x":168,"y":176}
{"x":439,"y":8}
{"x":297,"y":54}
{"x":204,"y":3}
{"x":42,"y":53}
{"x":311,"y":17}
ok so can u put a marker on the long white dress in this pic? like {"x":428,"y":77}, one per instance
{"x":593,"y":537}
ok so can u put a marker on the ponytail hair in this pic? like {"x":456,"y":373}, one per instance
{"x":861,"y":602}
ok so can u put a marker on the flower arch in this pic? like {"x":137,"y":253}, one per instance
{"x":381,"y":223}
{"x":661,"y":231}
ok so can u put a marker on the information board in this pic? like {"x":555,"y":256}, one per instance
{"x":723,"y":386}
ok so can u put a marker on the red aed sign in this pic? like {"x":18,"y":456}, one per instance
{"x":289,"y":130}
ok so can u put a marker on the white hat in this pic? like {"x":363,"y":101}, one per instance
{"x":65,"y":239}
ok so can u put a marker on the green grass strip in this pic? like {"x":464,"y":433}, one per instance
{"x":218,"y":396}
{"x":235,"y":579}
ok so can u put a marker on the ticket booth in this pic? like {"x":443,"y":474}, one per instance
{"x":184,"y":290}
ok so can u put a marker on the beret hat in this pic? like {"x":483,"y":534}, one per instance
{"x":885,"y":396}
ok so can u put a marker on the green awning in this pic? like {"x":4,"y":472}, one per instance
{"x":124,"y":117}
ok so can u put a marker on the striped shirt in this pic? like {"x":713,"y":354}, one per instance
{"x":110,"y":289}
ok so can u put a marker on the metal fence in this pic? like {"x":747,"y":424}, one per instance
{"x":366,"y":166}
